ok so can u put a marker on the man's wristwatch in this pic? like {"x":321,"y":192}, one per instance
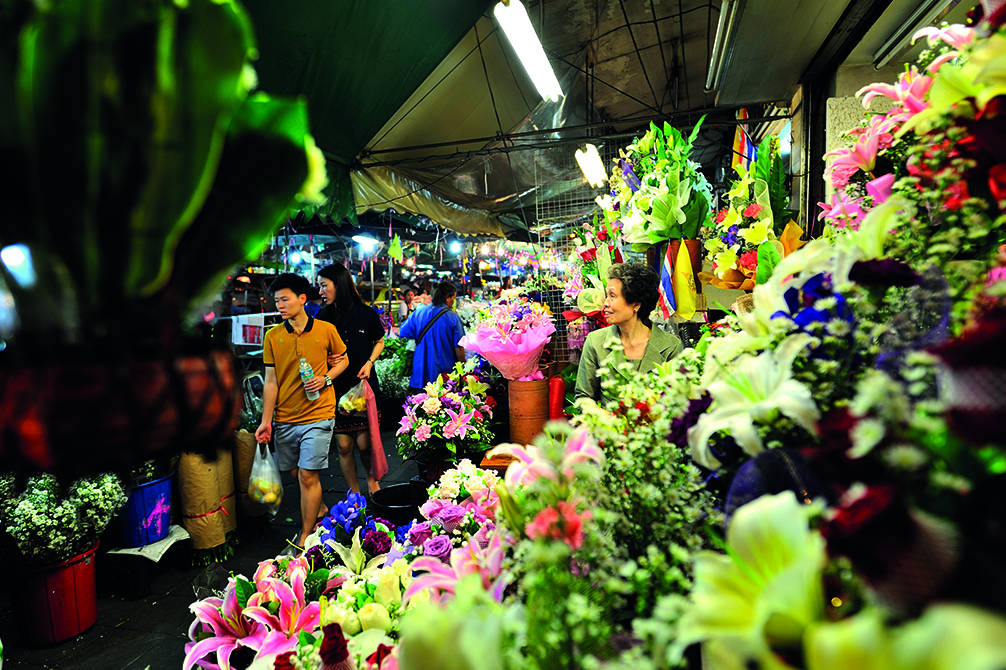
{"x":328,"y":381}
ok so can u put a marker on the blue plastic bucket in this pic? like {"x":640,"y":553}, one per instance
{"x":146,"y":516}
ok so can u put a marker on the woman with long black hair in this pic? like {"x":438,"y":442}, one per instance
{"x":360,"y":328}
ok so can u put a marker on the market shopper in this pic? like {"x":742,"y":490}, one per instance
{"x":361,"y":329}
{"x":437,"y":331}
{"x":406,"y":307}
{"x":303,"y":427}
{"x":630,"y":296}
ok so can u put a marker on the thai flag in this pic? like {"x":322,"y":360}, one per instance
{"x":666,"y":301}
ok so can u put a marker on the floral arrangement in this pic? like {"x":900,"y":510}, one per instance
{"x":450,"y":417}
{"x":48,"y":523}
{"x":511,"y":334}
{"x":658,"y":193}
{"x":748,"y":236}
{"x":394,"y":368}
{"x":348,"y":541}
{"x":659,"y":493}
{"x":265,"y":614}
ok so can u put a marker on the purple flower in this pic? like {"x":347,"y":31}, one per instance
{"x":315,"y":558}
{"x":438,"y":547}
{"x":450,"y":517}
{"x":375,"y":542}
{"x":420,"y":533}
{"x":680,"y":426}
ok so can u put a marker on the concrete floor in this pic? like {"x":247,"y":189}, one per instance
{"x":151,"y":632}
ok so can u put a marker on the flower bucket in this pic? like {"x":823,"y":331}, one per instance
{"x":56,"y":602}
{"x":146,"y":516}
{"x":393,"y":503}
{"x":528,"y":409}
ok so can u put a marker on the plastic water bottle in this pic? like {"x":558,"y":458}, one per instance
{"x":307,"y":373}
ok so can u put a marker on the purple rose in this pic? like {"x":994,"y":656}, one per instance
{"x":438,"y":547}
{"x":450,"y":517}
{"x":420,"y":533}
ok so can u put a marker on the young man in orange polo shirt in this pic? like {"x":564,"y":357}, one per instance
{"x":303,"y":428}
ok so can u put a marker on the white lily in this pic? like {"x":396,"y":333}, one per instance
{"x":766,"y":590}
{"x":354,"y":558}
{"x":755,"y":389}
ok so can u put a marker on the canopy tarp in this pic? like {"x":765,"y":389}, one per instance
{"x":355,"y":62}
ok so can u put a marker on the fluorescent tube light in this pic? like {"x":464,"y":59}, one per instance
{"x":723,"y":43}
{"x":592,"y":166}
{"x":368,"y":243}
{"x":516,"y":24}
{"x":895,"y":45}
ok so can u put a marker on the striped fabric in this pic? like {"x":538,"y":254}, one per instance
{"x":666,"y":290}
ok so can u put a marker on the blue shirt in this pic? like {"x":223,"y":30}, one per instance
{"x":435,"y":354}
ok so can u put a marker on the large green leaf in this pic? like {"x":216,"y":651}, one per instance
{"x":123,"y":105}
{"x":768,"y":258}
{"x":778,"y":195}
{"x":696,"y":212}
{"x":263,"y":166}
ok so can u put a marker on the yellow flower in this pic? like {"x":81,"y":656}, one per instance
{"x":740,"y":187}
{"x":757,"y":233}
{"x":725,"y":260}
{"x":389,"y":590}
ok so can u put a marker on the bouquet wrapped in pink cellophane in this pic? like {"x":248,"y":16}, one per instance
{"x":511,"y":334}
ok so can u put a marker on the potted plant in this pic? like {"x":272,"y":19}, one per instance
{"x":51,"y":534}
{"x":170,"y":171}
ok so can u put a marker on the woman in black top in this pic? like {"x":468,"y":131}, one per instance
{"x":360,"y":328}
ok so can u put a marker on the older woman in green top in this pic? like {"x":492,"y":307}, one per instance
{"x":629,"y":298}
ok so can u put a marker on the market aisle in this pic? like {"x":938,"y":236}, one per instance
{"x":151,"y":632}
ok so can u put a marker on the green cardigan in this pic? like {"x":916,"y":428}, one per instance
{"x":662,"y":346}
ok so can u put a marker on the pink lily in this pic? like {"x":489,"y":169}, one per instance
{"x":580,"y":448}
{"x":880,"y":189}
{"x":230,"y":627}
{"x":469,"y":559}
{"x":842,"y":211}
{"x":294,"y":614}
{"x":527,"y":467}
{"x":458,"y":424}
{"x":848,"y":161}
{"x":909,"y":94}
{"x":958,"y":36}
{"x":406,"y":424}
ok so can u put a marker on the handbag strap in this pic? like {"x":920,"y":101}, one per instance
{"x":430,"y":323}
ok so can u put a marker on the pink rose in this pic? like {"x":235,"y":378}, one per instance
{"x":438,"y":547}
{"x":450,"y":517}
{"x":423,"y":433}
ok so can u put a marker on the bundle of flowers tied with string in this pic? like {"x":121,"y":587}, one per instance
{"x":750,"y":235}
{"x":511,"y":334}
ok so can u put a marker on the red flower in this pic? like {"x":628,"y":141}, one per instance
{"x":997,"y":182}
{"x":333,"y":645}
{"x":383,"y":651}
{"x":589,"y":255}
{"x":721,"y":215}
{"x":282,"y":662}
{"x":602,"y":235}
{"x":753,"y":210}
{"x":958,"y":194}
{"x":491,"y":401}
{"x":749,"y":260}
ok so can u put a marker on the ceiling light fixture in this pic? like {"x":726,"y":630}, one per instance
{"x":723,"y":43}
{"x":591,"y":165}
{"x":368,"y":243}
{"x":516,"y":24}
{"x":895,"y":45}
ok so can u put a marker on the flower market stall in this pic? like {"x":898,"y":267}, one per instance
{"x":817,"y":484}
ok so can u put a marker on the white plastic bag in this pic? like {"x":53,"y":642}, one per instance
{"x":265,"y":485}
{"x":354,"y":401}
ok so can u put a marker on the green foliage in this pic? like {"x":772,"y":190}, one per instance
{"x":770,"y":169}
{"x":133,"y":144}
{"x":768,"y":258}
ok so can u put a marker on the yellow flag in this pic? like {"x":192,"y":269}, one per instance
{"x":683,"y":282}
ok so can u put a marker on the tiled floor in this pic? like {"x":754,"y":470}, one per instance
{"x":151,"y":632}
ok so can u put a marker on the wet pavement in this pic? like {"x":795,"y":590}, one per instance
{"x":151,"y":632}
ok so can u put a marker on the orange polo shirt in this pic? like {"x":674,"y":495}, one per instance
{"x":283,"y":348}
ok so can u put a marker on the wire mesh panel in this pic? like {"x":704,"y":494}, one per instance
{"x":569,"y":208}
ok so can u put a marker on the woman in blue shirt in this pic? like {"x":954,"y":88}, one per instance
{"x":437,"y":331}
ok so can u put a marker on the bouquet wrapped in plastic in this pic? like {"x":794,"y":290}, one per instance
{"x":511,"y":334}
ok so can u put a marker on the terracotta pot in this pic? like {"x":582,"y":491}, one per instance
{"x":87,"y":417}
{"x":56,"y":602}
{"x":528,"y":409}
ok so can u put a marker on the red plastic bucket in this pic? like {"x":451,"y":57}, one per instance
{"x":146,"y":516}
{"x":56,"y":602}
